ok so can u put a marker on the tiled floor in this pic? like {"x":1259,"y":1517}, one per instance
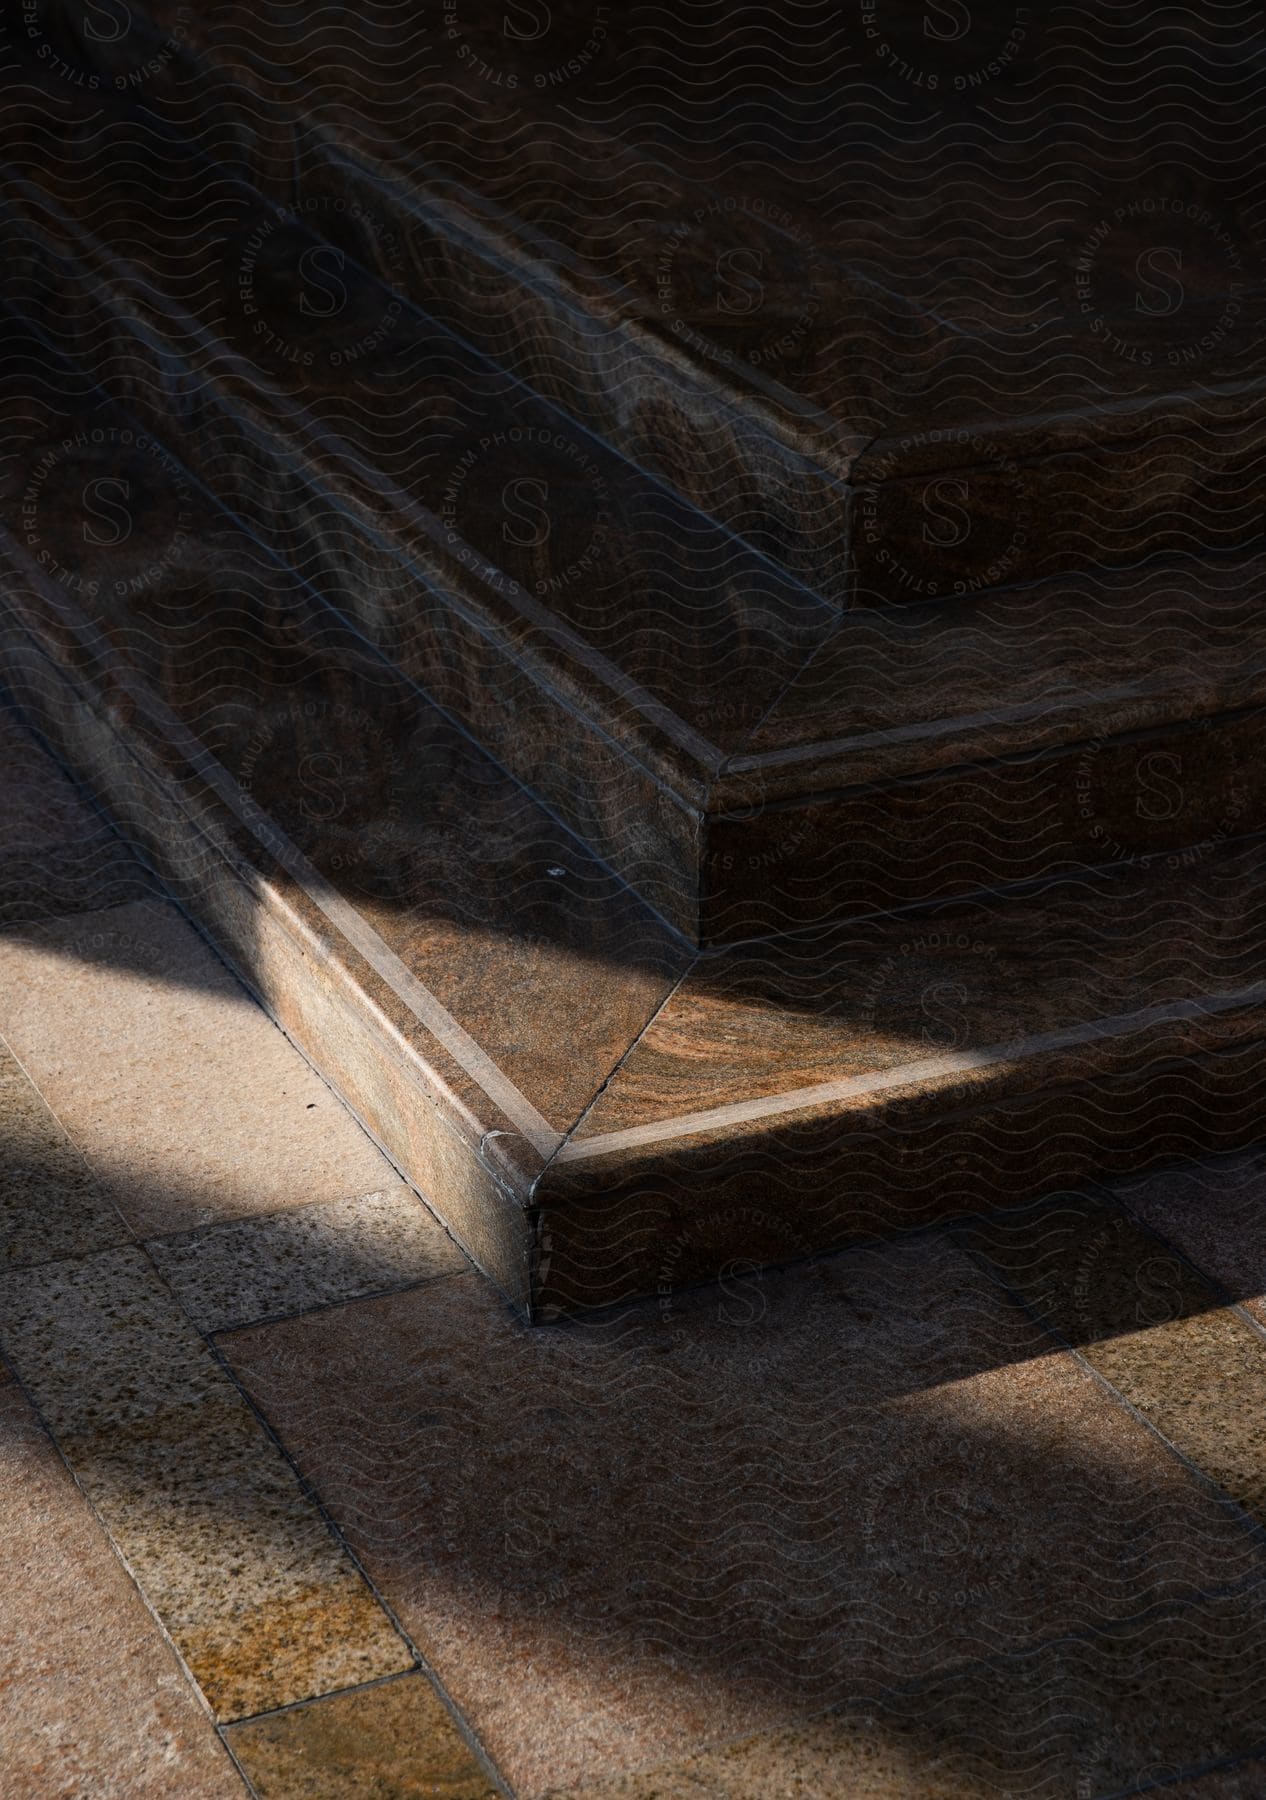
{"x":294,"y":1505}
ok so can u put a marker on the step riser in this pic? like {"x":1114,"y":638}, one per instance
{"x":747,"y":1109}
{"x":596,"y":1110}
{"x":716,"y":879}
{"x":653,"y":405}
{"x":607,"y":372}
{"x":1169,"y":794}
{"x":1197,"y":483}
{"x":990,"y":519}
{"x":678,"y":1215}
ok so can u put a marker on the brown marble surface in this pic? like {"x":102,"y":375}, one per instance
{"x":911,"y":384}
{"x":811,"y":264}
{"x":999,"y":971}
{"x":392,"y":415}
{"x":880,"y":696}
{"x":927,"y":749}
{"x":650,"y":676}
{"x":506,"y":975}
{"x":446,"y":859}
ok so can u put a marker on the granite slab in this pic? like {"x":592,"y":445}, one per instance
{"x":1212,"y":1214}
{"x":727,"y":1512}
{"x":1168,"y":1708}
{"x":260,"y":1599}
{"x":52,"y":1203}
{"x":1151,"y":1323}
{"x":393,"y":1740}
{"x":58,"y":854}
{"x":318,"y":1255}
{"x":184,"y":1104}
{"x":92,"y":1697}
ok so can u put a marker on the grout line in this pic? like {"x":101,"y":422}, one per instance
{"x":656,"y":1012}
{"x":227,"y":1745}
{"x":108,"y":1535}
{"x":356,"y":1687}
{"x":1227,"y":1297}
{"x":140,"y":1247}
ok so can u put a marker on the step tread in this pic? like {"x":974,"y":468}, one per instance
{"x":965,"y":998}
{"x":871,"y":709}
{"x":1061,"y":661}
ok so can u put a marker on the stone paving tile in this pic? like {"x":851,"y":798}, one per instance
{"x":1215,"y":1213}
{"x":57,"y":855}
{"x":716,"y":1515}
{"x":265,"y":1268}
{"x":172,"y":1081}
{"x":261,"y":1601}
{"x":1081,"y":1717}
{"x":394,"y":1742}
{"x":92,"y":1700}
{"x":1148,"y":1322}
{"x":51,"y":1205}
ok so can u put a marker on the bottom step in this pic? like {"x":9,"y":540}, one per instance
{"x":595,"y":1110}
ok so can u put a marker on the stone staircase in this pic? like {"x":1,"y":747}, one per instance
{"x":703,"y":784}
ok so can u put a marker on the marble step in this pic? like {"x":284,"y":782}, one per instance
{"x":925,"y":752}
{"x":909,"y":401}
{"x":594,"y":1109}
{"x":751,"y":764}
{"x":609,"y":644}
{"x":915,"y":753}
